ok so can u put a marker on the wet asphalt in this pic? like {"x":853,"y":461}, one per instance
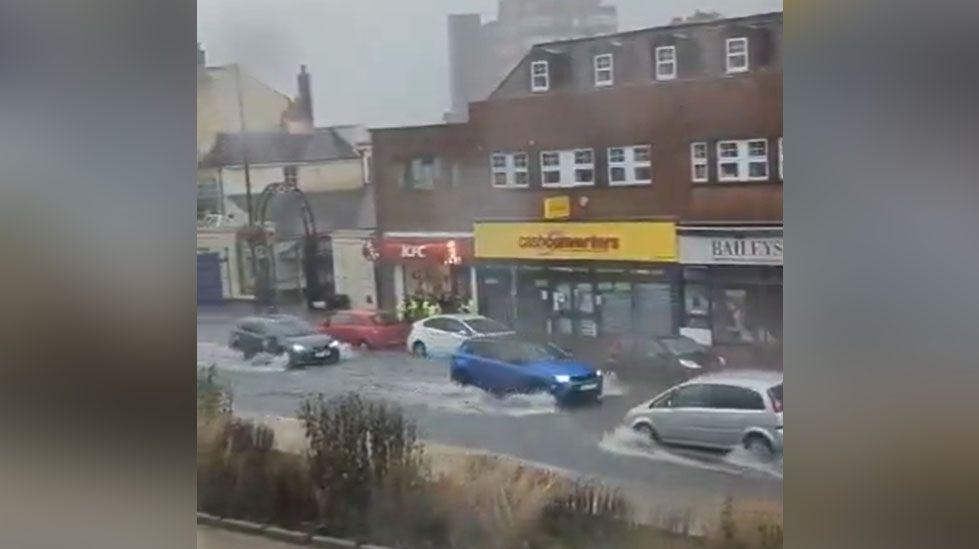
{"x":586,"y":440}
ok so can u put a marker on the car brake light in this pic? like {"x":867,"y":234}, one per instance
{"x":777,"y":405}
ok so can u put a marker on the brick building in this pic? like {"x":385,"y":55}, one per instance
{"x":628,"y":183}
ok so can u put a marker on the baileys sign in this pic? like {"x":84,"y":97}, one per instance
{"x":732,"y":249}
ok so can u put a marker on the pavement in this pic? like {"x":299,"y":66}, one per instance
{"x":588,"y":441}
{"x":217,"y":538}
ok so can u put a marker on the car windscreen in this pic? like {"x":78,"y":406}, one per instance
{"x":385,"y":318}
{"x":682,"y":345}
{"x":291,"y":328}
{"x":521,"y":352}
{"x":486,"y":326}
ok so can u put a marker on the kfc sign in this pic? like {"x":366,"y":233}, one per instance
{"x":402,"y":250}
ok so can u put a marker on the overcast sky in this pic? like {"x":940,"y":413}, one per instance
{"x":377,"y":62}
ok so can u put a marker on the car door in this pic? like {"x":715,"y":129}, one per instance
{"x":689,"y":419}
{"x":734,"y":410}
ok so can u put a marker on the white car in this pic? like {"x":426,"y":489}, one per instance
{"x":441,"y":335}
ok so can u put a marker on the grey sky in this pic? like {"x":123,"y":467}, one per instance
{"x":377,"y":62}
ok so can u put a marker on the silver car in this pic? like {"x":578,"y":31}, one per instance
{"x":718,"y":411}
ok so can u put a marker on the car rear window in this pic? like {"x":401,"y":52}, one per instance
{"x":776,"y":394}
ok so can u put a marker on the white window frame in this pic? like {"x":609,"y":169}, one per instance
{"x":546,"y":75}
{"x":510,"y":169}
{"x":672,"y":74}
{"x":599,"y":82}
{"x":743,"y":160}
{"x":729,"y":55}
{"x":780,"y":161}
{"x":567,"y":169}
{"x":629,"y":164}
{"x":698,"y":161}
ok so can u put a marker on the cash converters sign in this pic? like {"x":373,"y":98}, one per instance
{"x":606,"y":241}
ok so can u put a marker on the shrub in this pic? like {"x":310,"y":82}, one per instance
{"x":357,"y":448}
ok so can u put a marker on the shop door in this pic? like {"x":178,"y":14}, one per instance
{"x":533,"y":303}
{"x":210,"y":290}
{"x":573,"y":309}
{"x":654,"y":309}
{"x":495,"y":300}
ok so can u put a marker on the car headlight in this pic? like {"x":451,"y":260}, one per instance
{"x":722,"y":360}
{"x":687,"y":363}
{"x":598,"y":373}
{"x":334,"y":344}
{"x":298,"y":348}
{"x":562,"y":379}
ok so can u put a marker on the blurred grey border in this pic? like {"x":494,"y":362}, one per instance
{"x":96,"y":207}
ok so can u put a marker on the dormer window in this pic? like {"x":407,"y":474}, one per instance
{"x":540,"y":78}
{"x":737,"y":54}
{"x":604,"y":72}
{"x":666,"y":63}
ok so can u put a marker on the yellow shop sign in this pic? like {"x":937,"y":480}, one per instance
{"x":653,"y":241}
{"x":557,"y":207}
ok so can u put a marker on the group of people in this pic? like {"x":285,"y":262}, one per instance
{"x":420,"y":305}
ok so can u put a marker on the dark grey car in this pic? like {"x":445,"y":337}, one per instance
{"x":284,"y":334}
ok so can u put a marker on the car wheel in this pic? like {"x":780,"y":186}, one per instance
{"x":647,"y":431}
{"x":759,"y":447}
{"x":333,"y":358}
{"x":419,"y":350}
{"x":363,"y":345}
{"x":248,"y":353}
{"x":461,"y":378}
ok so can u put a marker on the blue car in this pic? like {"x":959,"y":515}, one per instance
{"x":504,"y":365}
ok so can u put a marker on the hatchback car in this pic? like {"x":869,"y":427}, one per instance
{"x":718,"y":411}
{"x":675,"y":358}
{"x":367,"y":329}
{"x":441,"y":335}
{"x":510,"y":365}
{"x":284,"y":334}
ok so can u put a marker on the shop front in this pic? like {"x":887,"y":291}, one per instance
{"x":583,"y":284}
{"x":433,"y":268}
{"x":732,"y":289}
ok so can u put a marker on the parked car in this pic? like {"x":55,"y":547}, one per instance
{"x":284,"y":334}
{"x":676,"y":358}
{"x":718,"y":411}
{"x":441,"y":335}
{"x":368,"y":329}
{"x":511,"y":365}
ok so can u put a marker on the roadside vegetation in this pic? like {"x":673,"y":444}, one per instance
{"x":366,"y":476}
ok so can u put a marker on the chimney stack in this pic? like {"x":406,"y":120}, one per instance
{"x":305,"y":97}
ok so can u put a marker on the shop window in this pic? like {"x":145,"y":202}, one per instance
{"x":666,"y":63}
{"x":742,"y":160}
{"x":748,"y":314}
{"x":509,"y":169}
{"x":616,"y":307}
{"x":570,"y":168}
{"x":630,"y":165}
{"x":697,"y":306}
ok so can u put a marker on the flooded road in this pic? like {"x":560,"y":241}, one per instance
{"x":587,"y":440}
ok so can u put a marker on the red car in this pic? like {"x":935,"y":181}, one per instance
{"x":370,"y":329}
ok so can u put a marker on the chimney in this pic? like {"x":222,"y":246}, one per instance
{"x":201,"y":56}
{"x":305,"y":98}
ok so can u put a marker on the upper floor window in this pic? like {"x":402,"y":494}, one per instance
{"x":421,"y":173}
{"x":666,"y":63}
{"x":630,"y":165}
{"x":571,"y":168}
{"x":290,"y":175}
{"x":744,"y":160}
{"x":698,"y":162}
{"x":737,"y":54}
{"x":604,"y":70}
{"x":509,"y":169}
{"x":540,"y":78}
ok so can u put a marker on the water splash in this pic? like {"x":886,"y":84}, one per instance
{"x":626,"y":442}
{"x":224,"y":358}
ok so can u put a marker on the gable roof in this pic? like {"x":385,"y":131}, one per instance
{"x":278,"y":147}
{"x":332,"y":210}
